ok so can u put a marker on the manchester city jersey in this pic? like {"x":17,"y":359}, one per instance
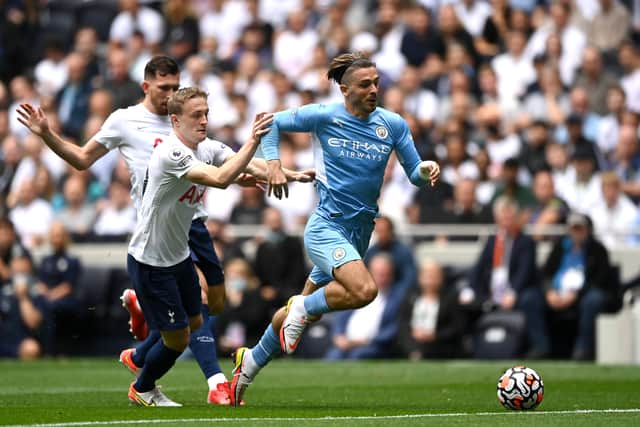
{"x":350,"y":154}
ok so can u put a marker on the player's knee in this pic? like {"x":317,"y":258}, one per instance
{"x":365,"y":294}
{"x":177,"y":340}
{"x":29,"y":349}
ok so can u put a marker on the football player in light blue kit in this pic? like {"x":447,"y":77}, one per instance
{"x":352,"y":144}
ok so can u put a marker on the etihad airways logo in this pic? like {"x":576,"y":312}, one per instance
{"x":360,"y":150}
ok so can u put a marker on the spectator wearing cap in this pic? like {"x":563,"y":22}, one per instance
{"x":614,"y":216}
{"x":582,"y":187}
{"x":577,"y":283}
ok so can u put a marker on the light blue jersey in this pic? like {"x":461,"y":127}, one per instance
{"x":350,"y":154}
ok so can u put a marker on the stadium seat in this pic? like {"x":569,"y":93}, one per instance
{"x":499,"y":335}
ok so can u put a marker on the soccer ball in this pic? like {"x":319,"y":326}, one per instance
{"x":520,"y":388}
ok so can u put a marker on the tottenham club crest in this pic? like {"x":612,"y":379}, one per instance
{"x":339,"y":253}
{"x":382,"y":132}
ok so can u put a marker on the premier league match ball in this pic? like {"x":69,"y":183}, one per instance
{"x":520,"y":388}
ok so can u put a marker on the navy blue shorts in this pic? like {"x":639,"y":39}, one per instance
{"x":168,"y":296}
{"x":10,"y":345}
{"x":203,"y":253}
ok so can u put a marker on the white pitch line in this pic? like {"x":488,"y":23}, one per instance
{"x":332,"y":419}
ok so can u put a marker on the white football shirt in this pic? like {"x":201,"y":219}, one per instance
{"x":135,"y":131}
{"x":170,"y":201}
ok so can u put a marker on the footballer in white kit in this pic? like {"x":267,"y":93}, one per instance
{"x":162,"y":232}
{"x":159,"y":264}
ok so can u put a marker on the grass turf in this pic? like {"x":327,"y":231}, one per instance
{"x":79,"y":392}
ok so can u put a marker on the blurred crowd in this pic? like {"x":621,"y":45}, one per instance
{"x":537,"y":101}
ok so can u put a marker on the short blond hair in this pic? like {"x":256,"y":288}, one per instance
{"x":181,"y":96}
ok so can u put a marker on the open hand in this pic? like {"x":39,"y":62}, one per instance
{"x":33,"y":118}
{"x":260,"y":124}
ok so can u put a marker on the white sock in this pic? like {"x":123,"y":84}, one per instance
{"x":251,"y":368}
{"x":216,"y":379}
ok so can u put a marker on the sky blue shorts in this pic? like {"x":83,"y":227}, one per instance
{"x":168,"y":296}
{"x":331,"y":243}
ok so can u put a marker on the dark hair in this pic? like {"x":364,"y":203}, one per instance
{"x":341,"y":63}
{"x":160,"y":65}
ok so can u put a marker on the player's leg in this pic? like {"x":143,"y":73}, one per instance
{"x":249,"y":361}
{"x":336,"y":249}
{"x":170,"y":300}
{"x":202,"y":343}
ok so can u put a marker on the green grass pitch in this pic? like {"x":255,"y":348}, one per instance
{"x":93,"y":392}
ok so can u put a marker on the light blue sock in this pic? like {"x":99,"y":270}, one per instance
{"x":316,"y":303}
{"x":267,"y":347}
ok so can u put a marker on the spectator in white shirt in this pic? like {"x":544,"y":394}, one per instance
{"x":117,"y":217}
{"x":582,"y":189}
{"x":31,"y":216}
{"x":51,"y":71}
{"x":133,"y":17}
{"x":630,"y":62}
{"x":514,"y":69}
{"x":473,"y":15}
{"x":572,"y":39}
{"x":614,"y":216}
{"x":292,"y":46}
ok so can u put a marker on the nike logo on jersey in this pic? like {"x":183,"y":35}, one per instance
{"x":338,"y":122}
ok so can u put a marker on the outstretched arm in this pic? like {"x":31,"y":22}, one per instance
{"x":78,"y":157}
{"x":224,"y":175}
{"x":259,"y":169}
{"x":302,"y":119}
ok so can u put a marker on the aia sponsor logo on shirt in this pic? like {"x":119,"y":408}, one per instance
{"x":193,"y":195}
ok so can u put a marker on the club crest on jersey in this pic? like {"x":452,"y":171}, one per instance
{"x":382,"y":132}
{"x":176,"y":153}
{"x":339,"y":253}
